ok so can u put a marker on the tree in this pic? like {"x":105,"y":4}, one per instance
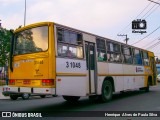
{"x":5,"y":37}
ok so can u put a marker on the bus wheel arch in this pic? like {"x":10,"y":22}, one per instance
{"x":107,"y":89}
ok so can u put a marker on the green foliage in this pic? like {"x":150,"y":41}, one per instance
{"x":5,"y":38}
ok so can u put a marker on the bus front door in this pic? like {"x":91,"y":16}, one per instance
{"x":91,"y":66}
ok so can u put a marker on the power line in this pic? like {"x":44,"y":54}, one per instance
{"x":143,"y":15}
{"x":154,"y":45}
{"x":148,"y":11}
{"x":148,"y":14}
{"x":135,"y":18}
{"x":155,"y":48}
{"x":151,"y":12}
{"x":154,"y":2}
{"x":151,"y":42}
{"x":146,"y":36}
{"x":152,"y":31}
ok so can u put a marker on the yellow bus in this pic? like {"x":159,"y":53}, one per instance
{"x":52,"y":59}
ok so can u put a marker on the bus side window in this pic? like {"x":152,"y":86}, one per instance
{"x":137,"y":56}
{"x":127,"y":54}
{"x":113,"y":52}
{"x":101,"y":50}
{"x":145,"y":58}
{"x":62,"y":48}
{"x":60,"y":34}
{"x":69,"y":44}
{"x":110,"y":57}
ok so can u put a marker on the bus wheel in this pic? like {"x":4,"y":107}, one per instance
{"x":107,"y":91}
{"x":42,"y":96}
{"x":71,"y":98}
{"x":13,"y":97}
{"x":25,"y":96}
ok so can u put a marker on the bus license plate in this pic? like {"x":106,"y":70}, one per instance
{"x":26,"y":82}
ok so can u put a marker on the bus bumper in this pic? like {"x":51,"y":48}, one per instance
{"x":20,"y":90}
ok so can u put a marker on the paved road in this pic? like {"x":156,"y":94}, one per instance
{"x":130,"y":101}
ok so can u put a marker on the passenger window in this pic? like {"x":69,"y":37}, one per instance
{"x":69,"y":44}
{"x":113,"y":52}
{"x":137,"y":56}
{"x":127,"y":54}
{"x":62,"y":49}
{"x":145,"y":58}
{"x":101,"y":49}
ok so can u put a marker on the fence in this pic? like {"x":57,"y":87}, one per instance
{"x":3,"y":76}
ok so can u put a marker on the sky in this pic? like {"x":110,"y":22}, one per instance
{"x":105,"y":18}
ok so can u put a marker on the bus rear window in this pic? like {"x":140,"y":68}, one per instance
{"x":31,"y":40}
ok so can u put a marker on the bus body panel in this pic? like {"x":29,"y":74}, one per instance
{"x":89,"y":38}
{"x":71,"y":77}
{"x":38,"y":67}
{"x":116,"y":70}
{"x":71,"y":86}
{"x":30,"y":71}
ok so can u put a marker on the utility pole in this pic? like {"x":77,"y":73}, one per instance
{"x":126,"y":40}
{"x":25,"y":14}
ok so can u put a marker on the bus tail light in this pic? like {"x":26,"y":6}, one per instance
{"x":47,"y":82}
{"x":6,"y":89}
{"x":12,"y":82}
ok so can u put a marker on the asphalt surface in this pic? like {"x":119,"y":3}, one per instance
{"x":135,"y":101}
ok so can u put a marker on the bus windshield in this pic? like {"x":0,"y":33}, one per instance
{"x":31,"y":40}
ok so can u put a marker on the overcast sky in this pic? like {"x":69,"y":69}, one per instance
{"x":105,"y":18}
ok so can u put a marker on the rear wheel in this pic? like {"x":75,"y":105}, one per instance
{"x":13,"y":97}
{"x":71,"y":98}
{"x":25,"y":96}
{"x":107,"y":91}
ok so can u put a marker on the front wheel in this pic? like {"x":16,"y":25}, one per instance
{"x":13,"y":97}
{"x":71,"y":98}
{"x":107,"y":91}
